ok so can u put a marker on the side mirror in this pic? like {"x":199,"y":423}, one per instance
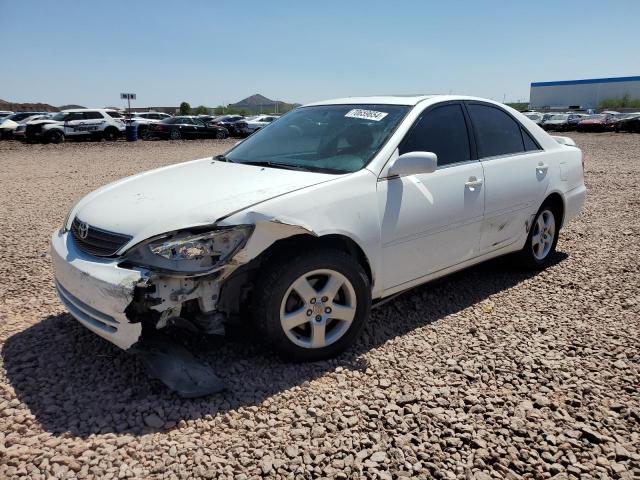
{"x":412,"y":163}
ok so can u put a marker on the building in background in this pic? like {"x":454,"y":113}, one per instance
{"x":582,"y":94}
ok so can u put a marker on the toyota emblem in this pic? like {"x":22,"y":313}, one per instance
{"x":83,"y":230}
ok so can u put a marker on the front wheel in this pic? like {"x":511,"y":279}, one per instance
{"x":175,"y":134}
{"x":312,"y":306}
{"x":54,"y":136}
{"x":111,"y":134}
{"x":542,"y":239}
{"x":220,"y":135}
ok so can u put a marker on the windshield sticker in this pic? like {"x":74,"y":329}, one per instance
{"x":366,"y":114}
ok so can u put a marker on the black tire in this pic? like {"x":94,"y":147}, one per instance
{"x":143,"y":132}
{"x":111,"y":134}
{"x":276,"y":280}
{"x":220,"y":135}
{"x":532,"y":257}
{"x":54,"y":136}
{"x":175,"y":134}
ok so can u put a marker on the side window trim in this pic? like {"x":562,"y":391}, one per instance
{"x":472,"y":150}
{"x":523,"y":129}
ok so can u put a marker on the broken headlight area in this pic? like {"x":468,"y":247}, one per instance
{"x":190,"y":252}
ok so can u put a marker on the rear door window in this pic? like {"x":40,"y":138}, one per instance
{"x":443,"y":131}
{"x":93,"y":115}
{"x":496,"y":132}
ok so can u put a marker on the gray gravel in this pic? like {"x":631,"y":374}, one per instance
{"x":490,"y":373}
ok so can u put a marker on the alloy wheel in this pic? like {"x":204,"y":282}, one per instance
{"x":543,"y":234}
{"x":318,"y":308}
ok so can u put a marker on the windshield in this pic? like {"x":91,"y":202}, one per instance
{"x":532,"y":116}
{"x":332,"y":138}
{"x":60,"y":116}
{"x":169,"y":120}
{"x":559,"y":117}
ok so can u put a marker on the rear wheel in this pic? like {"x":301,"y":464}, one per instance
{"x":311,"y":306}
{"x":542,"y":239}
{"x":54,"y":136}
{"x":220,"y":134}
{"x":175,"y":134}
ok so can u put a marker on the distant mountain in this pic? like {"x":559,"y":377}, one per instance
{"x":27,"y":107}
{"x":259,"y":103}
{"x":70,"y":107}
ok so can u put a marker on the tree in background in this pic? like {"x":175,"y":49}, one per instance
{"x":625,"y":102}
{"x":185,"y":108}
{"x":201,"y":110}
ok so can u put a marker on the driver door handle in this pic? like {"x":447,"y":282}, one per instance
{"x":542,"y":167}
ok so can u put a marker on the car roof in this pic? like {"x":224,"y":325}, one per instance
{"x":71,"y":110}
{"x":410,"y":100}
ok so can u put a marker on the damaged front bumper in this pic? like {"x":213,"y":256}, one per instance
{"x":96,"y":291}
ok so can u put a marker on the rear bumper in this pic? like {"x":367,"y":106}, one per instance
{"x":574,"y":201}
{"x":95,"y":291}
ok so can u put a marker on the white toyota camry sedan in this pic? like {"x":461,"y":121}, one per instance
{"x":300,"y":228}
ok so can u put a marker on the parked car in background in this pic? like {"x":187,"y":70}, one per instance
{"x":20,"y":131}
{"x":255,"y":123}
{"x":558,"y":122}
{"x":575,"y":118}
{"x":629,"y":123}
{"x":562,"y":121}
{"x":231,"y":123}
{"x":95,"y":123}
{"x":303,"y":225}
{"x":5,"y":113}
{"x":175,"y":128}
{"x":535,"y":117}
{"x":10,"y":123}
{"x":143,"y":119}
{"x":597,"y":123}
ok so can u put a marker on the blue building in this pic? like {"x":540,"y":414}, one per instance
{"x":581,"y":94}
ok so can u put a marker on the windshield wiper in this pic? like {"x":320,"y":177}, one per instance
{"x":222,"y":158}
{"x":286,"y":166}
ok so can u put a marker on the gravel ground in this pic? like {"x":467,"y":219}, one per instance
{"x":490,"y":373}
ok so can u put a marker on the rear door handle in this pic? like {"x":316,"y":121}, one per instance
{"x":473,"y":183}
{"x":542,"y":167}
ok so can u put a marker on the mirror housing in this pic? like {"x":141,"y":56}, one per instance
{"x":412,"y":163}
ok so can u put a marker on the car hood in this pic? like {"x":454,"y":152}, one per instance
{"x":186,"y":195}
{"x":43,"y":121}
{"x":8,"y":124}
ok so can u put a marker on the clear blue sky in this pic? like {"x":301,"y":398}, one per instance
{"x":213,"y":52}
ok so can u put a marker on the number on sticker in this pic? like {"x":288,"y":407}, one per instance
{"x":366,"y":114}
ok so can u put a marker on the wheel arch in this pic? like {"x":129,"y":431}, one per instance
{"x":233,"y":295}
{"x":556,"y":200}
{"x":332,"y":240}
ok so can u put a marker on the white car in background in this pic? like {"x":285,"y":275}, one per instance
{"x":95,"y":123}
{"x":535,"y":117}
{"x":20,"y":131}
{"x":298,"y":229}
{"x":255,"y":123}
{"x":11,"y":122}
{"x":143,"y":119}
